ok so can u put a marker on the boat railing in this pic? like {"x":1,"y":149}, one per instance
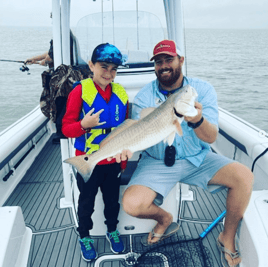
{"x":243,"y":142}
{"x":69,"y":173}
{"x":21,"y":143}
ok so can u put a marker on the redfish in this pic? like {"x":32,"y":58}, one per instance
{"x":155,"y":125}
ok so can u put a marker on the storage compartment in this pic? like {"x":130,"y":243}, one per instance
{"x":15,"y":238}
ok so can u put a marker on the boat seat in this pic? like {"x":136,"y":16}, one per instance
{"x":211,"y":188}
{"x":135,"y":56}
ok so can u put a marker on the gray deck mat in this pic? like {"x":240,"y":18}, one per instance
{"x":55,"y":240}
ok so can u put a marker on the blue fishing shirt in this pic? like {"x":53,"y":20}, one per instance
{"x":188,"y":146}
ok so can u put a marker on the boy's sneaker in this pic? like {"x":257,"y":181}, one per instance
{"x":116,"y":243}
{"x":87,"y":249}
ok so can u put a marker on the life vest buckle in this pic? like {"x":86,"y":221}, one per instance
{"x":106,"y":131}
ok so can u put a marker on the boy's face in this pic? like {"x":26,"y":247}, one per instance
{"x":103,"y":73}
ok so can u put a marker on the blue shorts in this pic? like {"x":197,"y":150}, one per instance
{"x":153,"y":173}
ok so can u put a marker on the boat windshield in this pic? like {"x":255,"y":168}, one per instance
{"x":134,"y":33}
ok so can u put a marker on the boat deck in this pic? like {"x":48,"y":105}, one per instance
{"x":55,"y":240}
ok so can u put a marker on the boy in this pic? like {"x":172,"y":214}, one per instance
{"x":94,"y":108}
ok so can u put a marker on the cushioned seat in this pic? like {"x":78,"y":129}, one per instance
{"x":126,"y":175}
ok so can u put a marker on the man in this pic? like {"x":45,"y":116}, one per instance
{"x":192,"y":155}
{"x":56,"y":89}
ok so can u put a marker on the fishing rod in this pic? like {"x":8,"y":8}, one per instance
{"x":23,"y":68}
{"x":7,"y":60}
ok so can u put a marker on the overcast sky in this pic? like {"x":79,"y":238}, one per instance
{"x":198,"y":13}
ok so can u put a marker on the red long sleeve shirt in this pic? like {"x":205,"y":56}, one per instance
{"x":71,"y":124}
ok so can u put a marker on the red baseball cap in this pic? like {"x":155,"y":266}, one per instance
{"x":165,"y":47}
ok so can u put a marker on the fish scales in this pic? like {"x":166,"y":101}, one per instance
{"x":156,"y":128}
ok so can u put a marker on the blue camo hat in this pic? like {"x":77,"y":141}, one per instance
{"x":108,"y":53}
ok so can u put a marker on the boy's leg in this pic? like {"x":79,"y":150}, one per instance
{"x":110,"y":191}
{"x":86,"y":201}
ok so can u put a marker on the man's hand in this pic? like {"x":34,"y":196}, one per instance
{"x":206,"y":131}
{"x":126,"y":154}
{"x":43,"y":62}
{"x":29,"y":61}
{"x":197,"y":118}
{"x":91,"y":120}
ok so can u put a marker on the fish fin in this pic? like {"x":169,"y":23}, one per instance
{"x":146,"y":111}
{"x":83,"y":165}
{"x":170,"y":138}
{"x":178,"y":127}
{"x":123,"y":126}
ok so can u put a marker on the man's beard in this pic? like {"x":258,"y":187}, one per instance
{"x":175,"y":75}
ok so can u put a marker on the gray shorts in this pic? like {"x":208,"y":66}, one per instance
{"x":156,"y":175}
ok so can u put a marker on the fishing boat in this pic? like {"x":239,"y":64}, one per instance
{"x":38,"y":192}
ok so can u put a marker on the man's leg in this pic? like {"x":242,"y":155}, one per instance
{"x":138,"y":202}
{"x":239,"y":180}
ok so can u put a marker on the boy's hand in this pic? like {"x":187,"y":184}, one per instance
{"x":126,"y":154}
{"x":91,"y":120}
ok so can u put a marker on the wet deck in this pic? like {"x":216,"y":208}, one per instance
{"x":55,"y":240}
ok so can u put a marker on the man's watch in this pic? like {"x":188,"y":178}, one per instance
{"x":197,"y":124}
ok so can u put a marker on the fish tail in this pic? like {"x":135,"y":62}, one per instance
{"x":83,"y":164}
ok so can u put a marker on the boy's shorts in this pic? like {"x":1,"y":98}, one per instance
{"x":154,"y":174}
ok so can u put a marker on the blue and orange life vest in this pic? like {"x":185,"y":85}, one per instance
{"x":114,"y":114}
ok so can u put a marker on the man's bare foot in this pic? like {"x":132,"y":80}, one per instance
{"x":231,"y":247}
{"x":160,"y":229}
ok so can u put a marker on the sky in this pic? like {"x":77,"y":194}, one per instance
{"x":252,"y":14}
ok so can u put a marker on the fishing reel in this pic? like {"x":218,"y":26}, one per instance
{"x":24,"y":68}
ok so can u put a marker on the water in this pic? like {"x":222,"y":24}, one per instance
{"x":235,"y":62}
{"x":20,"y":93}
